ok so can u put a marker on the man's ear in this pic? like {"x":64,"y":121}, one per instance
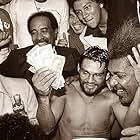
{"x":78,"y":67}
{"x":56,"y":32}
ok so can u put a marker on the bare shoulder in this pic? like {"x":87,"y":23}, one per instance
{"x":110,"y":95}
{"x":72,"y":87}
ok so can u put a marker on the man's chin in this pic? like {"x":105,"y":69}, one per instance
{"x":42,"y":44}
{"x":124,"y":102}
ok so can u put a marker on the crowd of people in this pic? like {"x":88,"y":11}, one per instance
{"x":100,"y":43}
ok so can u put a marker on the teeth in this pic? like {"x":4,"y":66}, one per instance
{"x":119,"y":90}
{"x":77,"y":26}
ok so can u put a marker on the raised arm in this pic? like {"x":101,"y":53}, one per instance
{"x":50,"y":107}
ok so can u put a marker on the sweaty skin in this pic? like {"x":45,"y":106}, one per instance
{"x":81,"y":117}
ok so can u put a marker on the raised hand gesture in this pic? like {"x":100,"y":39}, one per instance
{"x":135,"y":64}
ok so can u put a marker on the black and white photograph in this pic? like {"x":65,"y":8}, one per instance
{"x":69,"y":69}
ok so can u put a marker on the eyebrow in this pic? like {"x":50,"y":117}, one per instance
{"x":87,"y":4}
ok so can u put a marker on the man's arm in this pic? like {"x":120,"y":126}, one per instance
{"x":50,"y":107}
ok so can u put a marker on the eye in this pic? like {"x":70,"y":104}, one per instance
{"x":99,"y":75}
{"x":33,"y":32}
{"x":87,"y":7}
{"x":78,"y":12}
{"x":121,"y":76}
{"x":45,"y":30}
{"x":83,"y":71}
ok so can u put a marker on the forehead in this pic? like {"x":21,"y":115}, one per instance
{"x":81,"y":3}
{"x":92,"y":66}
{"x":119,"y":65}
{"x":40,"y":21}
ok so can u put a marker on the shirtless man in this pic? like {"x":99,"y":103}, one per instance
{"x":87,"y":107}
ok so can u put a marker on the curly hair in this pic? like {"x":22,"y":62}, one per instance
{"x":18,"y":127}
{"x":96,"y":54}
{"x":126,"y":37}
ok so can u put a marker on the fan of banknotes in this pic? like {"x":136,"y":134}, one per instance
{"x":44,"y":56}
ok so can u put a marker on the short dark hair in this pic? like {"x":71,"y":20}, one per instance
{"x":71,"y":2}
{"x":126,"y":37}
{"x":49,"y":15}
{"x":18,"y":127}
{"x":96,"y":54}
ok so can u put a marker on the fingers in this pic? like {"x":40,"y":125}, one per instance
{"x":43,"y":79}
{"x":5,"y":41}
{"x":131,"y":60}
{"x":131,"y":131}
{"x":3,"y":54}
{"x":136,"y":137}
{"x":4,"y":51}
{"x":136,"y":54}
{"x":3,"y":35}
{"x":64,"y":36}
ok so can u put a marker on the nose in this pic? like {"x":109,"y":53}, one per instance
{"x":113,"y":81}
{"x":90,"y":79}
{"x":39,"y":36}
{"x":85,"y":14}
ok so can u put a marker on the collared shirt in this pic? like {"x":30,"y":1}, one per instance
{"x":9,"y":87}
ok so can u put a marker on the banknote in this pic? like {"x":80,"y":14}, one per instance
{"x":44,"y":56}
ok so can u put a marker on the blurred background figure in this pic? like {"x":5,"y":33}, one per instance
{"x":6,"y":33}
{"x":94,"y":15}
{"x":18,"y":127}
{"x":76,"y":28}
{"x":20,"y":10}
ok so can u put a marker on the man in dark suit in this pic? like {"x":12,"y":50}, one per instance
{"x":43,"y":28}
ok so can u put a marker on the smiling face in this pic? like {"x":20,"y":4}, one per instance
{"x":75,"y":23}
{"x":123,"y":80}
{"x":92,"y":76}
{"x":88,"y":11}
{"x":41,"y":30}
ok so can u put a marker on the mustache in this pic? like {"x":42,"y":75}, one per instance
{"x":46,"y":40}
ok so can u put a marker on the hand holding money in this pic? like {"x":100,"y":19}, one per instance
{"x":43,"y":79}
{"x":44,"y":56}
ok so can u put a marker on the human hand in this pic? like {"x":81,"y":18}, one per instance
{"x":63,"y":42}
{"x":131,"y":133}
{"x":4,"y":54}
{"x":5,"y":38}
{"x":42,"y":80}
{"x":135,"y":65}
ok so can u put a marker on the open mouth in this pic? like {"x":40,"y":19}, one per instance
{"x":88,"y":19}
{"x":90,"y":86}
{"x":120,"y":92}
